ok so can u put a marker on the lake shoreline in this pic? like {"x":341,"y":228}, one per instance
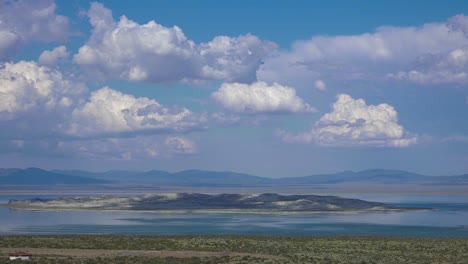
{"x":220,"y":211}
{"x":269,"y":203}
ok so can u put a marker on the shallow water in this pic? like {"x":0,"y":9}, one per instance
{"x":449,"y":219}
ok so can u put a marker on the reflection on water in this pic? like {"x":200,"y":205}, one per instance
{"x":450,"y":219}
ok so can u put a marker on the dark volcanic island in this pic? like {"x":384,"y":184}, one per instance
{"x":268,"y":202}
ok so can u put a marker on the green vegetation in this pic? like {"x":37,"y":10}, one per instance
{"x":141,"y":260}
{"x":346,"y":249}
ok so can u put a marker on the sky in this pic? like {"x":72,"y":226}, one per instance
{"x":271,"y":88}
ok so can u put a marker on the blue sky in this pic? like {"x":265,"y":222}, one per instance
{"x":279,"y":21}
{"x":271,"y":88}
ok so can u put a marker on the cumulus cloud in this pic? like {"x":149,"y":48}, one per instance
{"x":38,"y":101}
{"x":29,"y":89}
{"x":354,"y":123}
{"x":155,"y":53}
{"x":50,"y":58}
{"x":29,"y":20}
{"x":44,"y":112}
{"x":35,"y":100}
{"x":110,"y":111}
{"x":259,"y":97}
{"x":233,"y":59}
{"x":413,"y":54}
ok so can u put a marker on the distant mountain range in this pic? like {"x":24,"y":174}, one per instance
{"x":36,"y":176}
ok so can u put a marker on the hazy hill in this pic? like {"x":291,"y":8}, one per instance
{"x":219,"y":178}
{"x":199,"y":177}
{"x":35,"y":176}
{"x":185,"y":178}
{"x":370,"y":176}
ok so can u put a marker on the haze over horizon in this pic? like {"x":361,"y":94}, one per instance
{"x":376,"y":171}
{"x":263,"y":88}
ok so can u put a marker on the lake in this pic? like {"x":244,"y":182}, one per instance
{"x":448,"y":219}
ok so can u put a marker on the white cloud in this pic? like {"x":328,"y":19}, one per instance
{"x":135,"y":148}
{"x":179,"y":145}
{"x":443,"y":68}
{"x":152,"y":52}
{"x":233,"y":59}
{"x":50,"y":58}
{"x":458,"y":23}
{"x":43,"y":112}
{"x":40,"y":101}
{"x":35,"y":100}
{"x":354,"y":123}
{"x":10,"y":43}
{"x":29,"y":89}
{"x":110,"y":111}
{"x":259,"y":97}
{"x":373,"y":56}
{"x":320,"y":85}
{"x":29,"y":20}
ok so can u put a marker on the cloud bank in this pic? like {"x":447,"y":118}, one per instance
{"x":40,"y":109}
{"x":434,"y":53}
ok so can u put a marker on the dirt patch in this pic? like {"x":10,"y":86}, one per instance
{"x":91,"y":253}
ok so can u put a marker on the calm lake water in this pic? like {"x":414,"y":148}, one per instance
{"x":449,"y":219}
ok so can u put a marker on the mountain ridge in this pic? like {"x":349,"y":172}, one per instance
{"x":37,"y":176}
{"x":216,"y":178}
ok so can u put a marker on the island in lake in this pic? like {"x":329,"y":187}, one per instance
{"x":269,"y":202}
